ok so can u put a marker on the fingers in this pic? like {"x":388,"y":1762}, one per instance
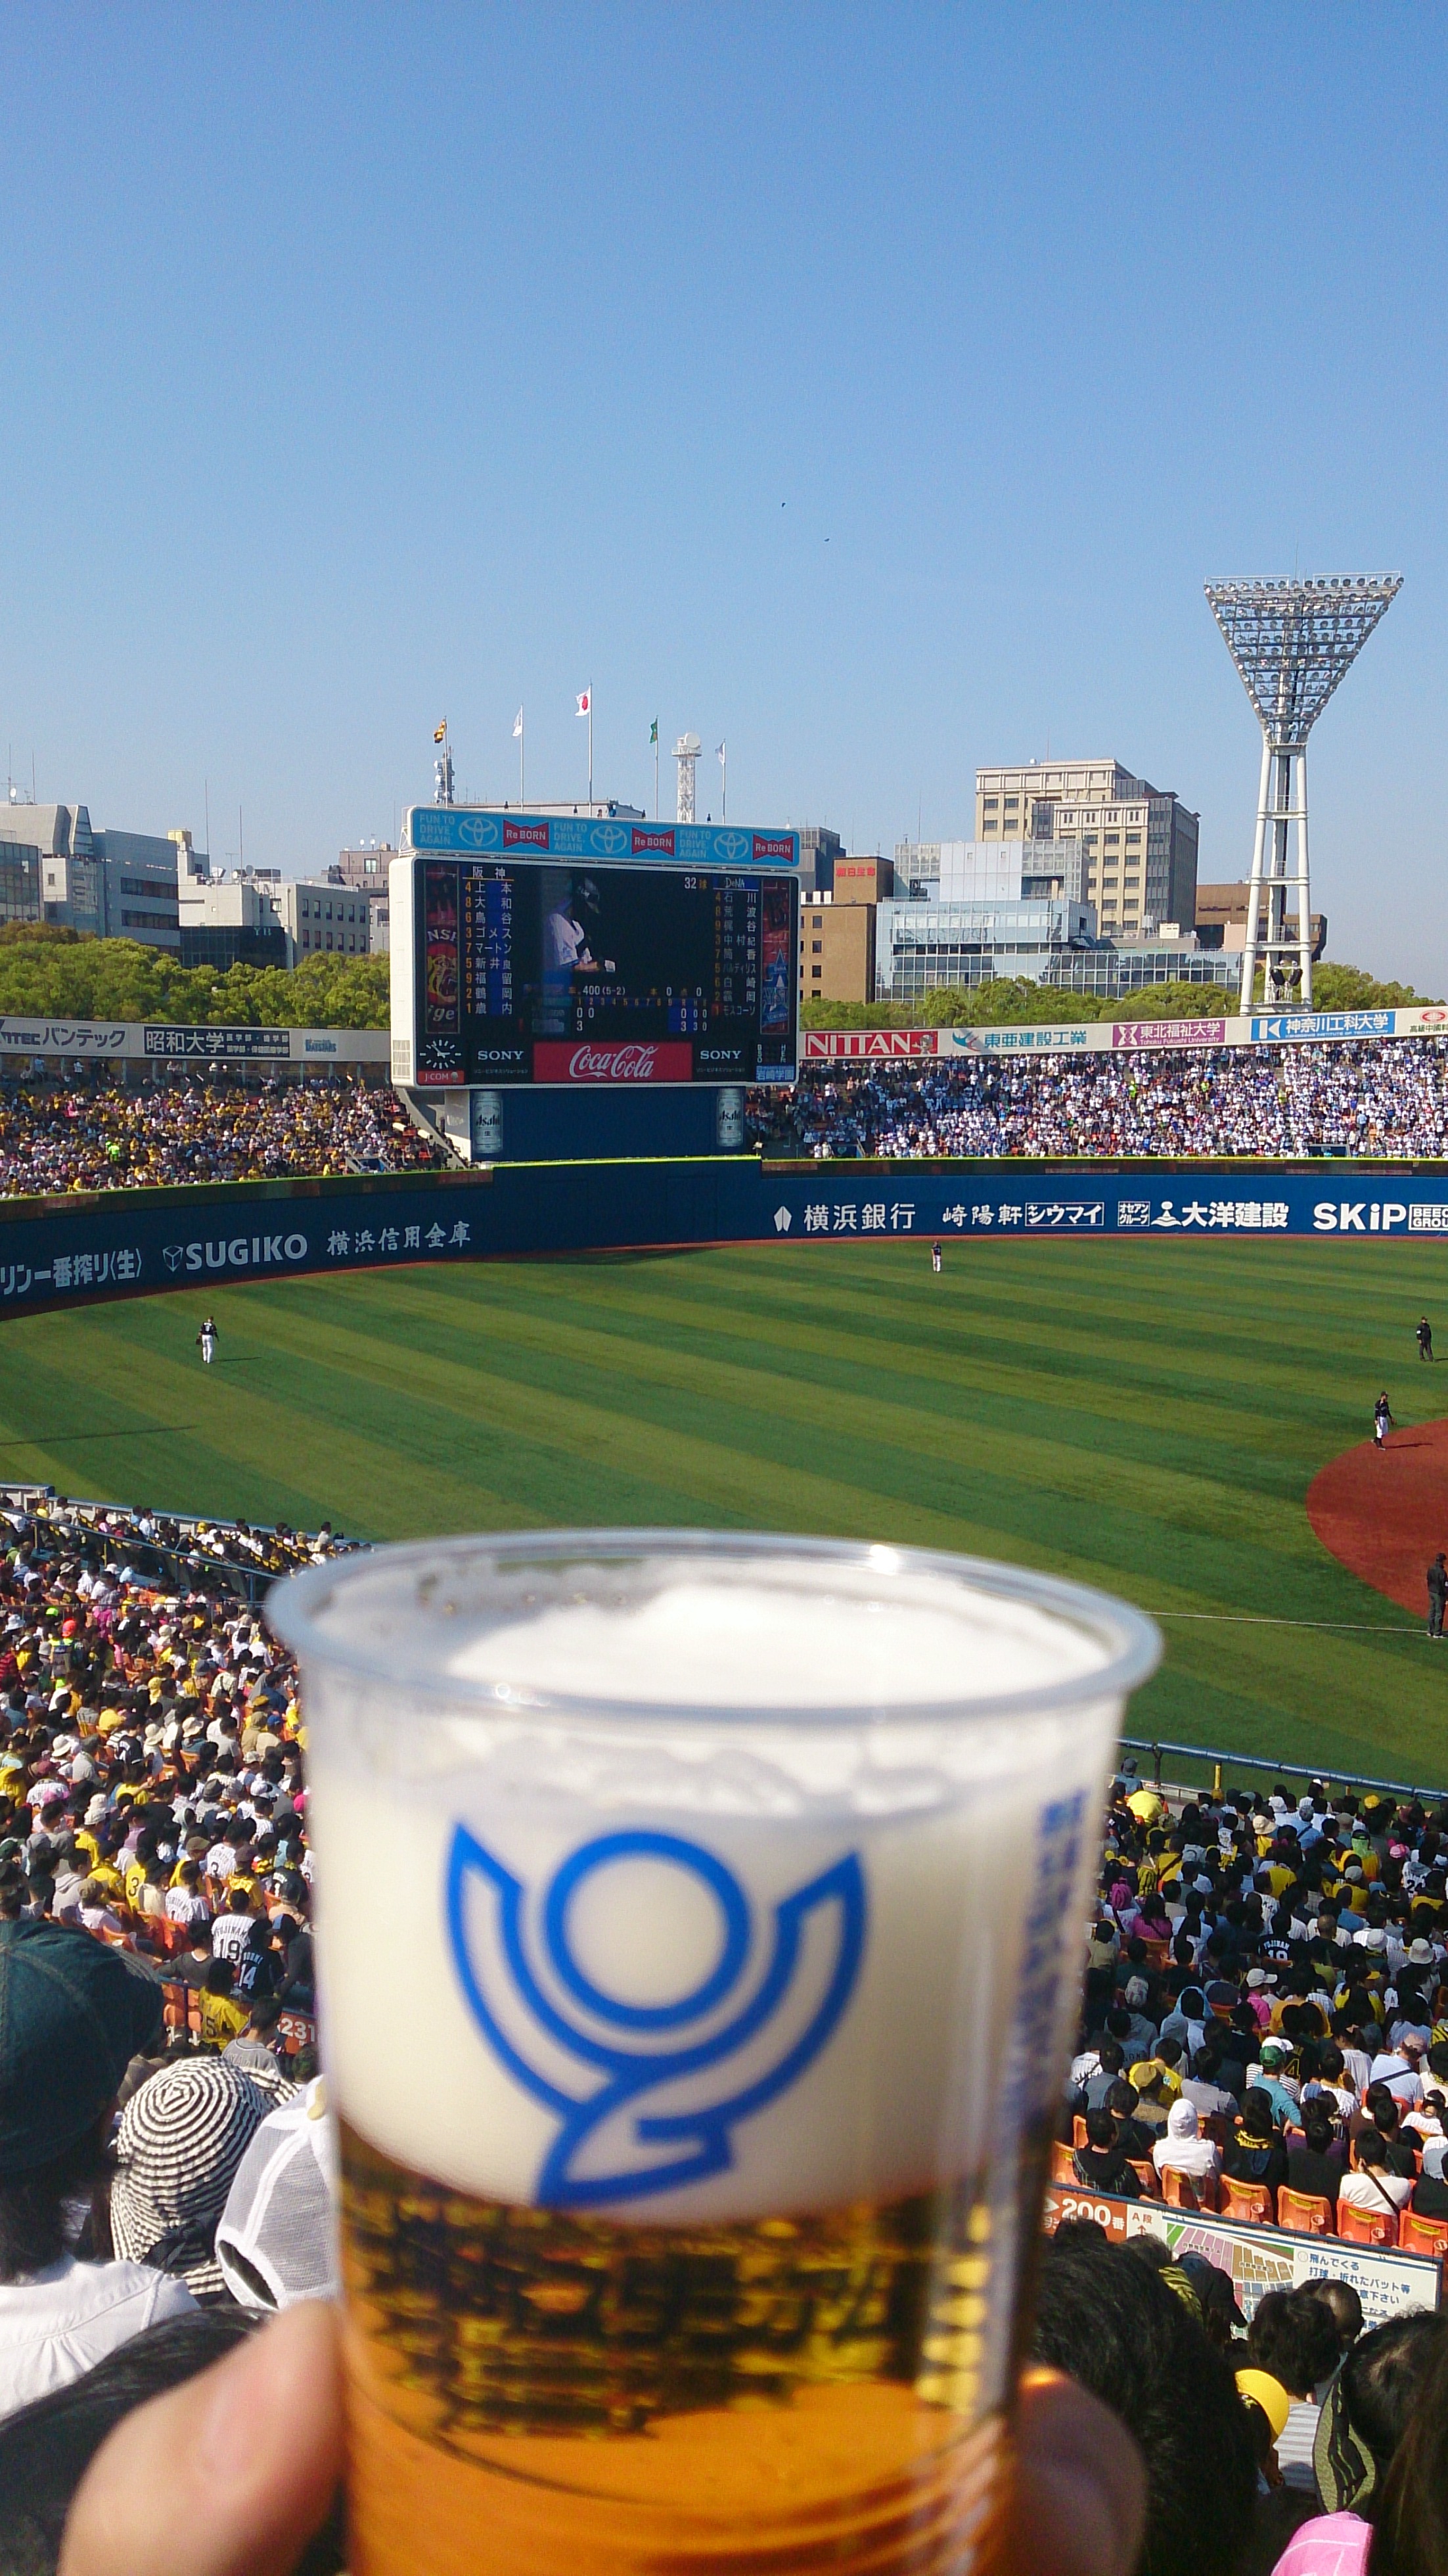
{"x":228,"y":2475}
{"x":1080,"y":2488}
{"x":232,"y":2473}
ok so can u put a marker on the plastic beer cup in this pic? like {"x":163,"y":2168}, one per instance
{"x":699,"y":1933}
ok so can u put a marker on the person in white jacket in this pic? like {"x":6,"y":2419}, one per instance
{"x":1184,"y":2150}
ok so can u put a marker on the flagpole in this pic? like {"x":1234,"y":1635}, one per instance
{"x":656,"y":773}
{"x":590,"y":744}
{"x":522,"y":747}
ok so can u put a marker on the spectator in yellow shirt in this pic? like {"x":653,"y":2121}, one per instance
{"x":222,"y":2017}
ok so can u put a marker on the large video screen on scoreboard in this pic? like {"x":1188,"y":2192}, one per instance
{"x":529,"y":971}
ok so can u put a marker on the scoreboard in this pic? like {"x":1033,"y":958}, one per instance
{"x":518,"y":968}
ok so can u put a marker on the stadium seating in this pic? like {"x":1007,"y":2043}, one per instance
{"x":1423,"y":2235}
{"x":1180,"y":2191}
{"x":1366,"y":2226}
{"x":1250,"y":2200}
{"x":1371,"y":1096}
{"x":1305,"y":2213}
{"x":91,"y":1132}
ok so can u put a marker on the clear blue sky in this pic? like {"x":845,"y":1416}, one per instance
{"x":873,"y":388}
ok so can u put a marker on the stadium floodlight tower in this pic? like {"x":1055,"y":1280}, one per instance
{"x":1292,"y":642}
{"x":686,"y":753}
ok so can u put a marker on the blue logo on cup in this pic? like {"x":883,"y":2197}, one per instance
{"x":647,"y":2095}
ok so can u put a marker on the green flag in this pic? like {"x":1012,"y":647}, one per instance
{"x":654,"y":730}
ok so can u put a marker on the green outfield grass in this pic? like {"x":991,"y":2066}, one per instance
{"x":1142,"y":1415}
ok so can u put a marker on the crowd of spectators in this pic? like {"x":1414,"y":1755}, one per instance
{"x":1359,"y":1096}
{"x":167,"y":2172}
{"x":93,"y":1131}
{"x":1264,"y":2025}
{"x":1265,"y":2031}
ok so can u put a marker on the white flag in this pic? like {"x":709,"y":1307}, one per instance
{"x":584,"y":697}
{"x":721,"y":755}
{"x":518,"y":726}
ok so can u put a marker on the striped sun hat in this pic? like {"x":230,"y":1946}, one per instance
{"x":181,"y":2139}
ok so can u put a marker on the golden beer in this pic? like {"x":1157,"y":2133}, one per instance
{"x":535,"y":2392}
{"x":730,"y":1892}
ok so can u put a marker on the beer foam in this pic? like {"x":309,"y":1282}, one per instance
{"x":697,"y":1643}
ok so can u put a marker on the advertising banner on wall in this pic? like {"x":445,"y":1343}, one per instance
{"x":118,"y":1242}
{"x":484,"y":831}
{"x":840,"y":1198}
{"x":167,"y":1041}
{"x":1259,"y":2259}
{"x":1108,"y":1037}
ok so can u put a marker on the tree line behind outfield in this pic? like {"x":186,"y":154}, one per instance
{"x":1016,"y":1001}
{"x":66,"y":974}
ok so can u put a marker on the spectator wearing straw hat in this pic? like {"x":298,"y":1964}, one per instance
{"x":182,"y":2137}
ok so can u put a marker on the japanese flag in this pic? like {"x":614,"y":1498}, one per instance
{"x":584,"y":701}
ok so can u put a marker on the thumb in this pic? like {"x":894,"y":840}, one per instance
{"x":1080,"y":2494}
{"x":228,"y":2475}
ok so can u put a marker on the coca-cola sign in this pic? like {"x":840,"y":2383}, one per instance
{"x":612,"y":1060}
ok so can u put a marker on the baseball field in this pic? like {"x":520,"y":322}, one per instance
{"x":1146,"y":1416}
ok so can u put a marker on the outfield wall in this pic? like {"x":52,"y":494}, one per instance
{"x":121,"y":1243}
{"x":166,"y":1042}
{"x":848,"y":1047}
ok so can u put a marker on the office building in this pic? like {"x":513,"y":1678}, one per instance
{"x":1138,"y":842}
{"x":365,"y":868}
{"x":819,"y":848}
{"x":327,"y":917}
{"x":19,"y":876}
{"x":863,"y":880}
{"x":1222,"y":919}
{"x":836,"y":950}
{"x":230,"y":920}
{"x":1015,"y":871}
{"x":1110,"y":970}
{"x":924,"y":947}
{"x":110,"y":884}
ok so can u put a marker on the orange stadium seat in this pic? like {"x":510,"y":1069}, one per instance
{"x":1179,"y":2191}
{"x":1146,"y":2175}
{"x":1366,"y":2226}
{"x":1423,"y":2235}
{"x":1078,"y":2131}
{"x":1062,"y":2169}
{"x":1249,"y":2200}
{"x":1305,"y":2213}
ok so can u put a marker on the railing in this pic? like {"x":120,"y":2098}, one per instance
{"x":177,"y":1563}
{"x":1255,"y":1764}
